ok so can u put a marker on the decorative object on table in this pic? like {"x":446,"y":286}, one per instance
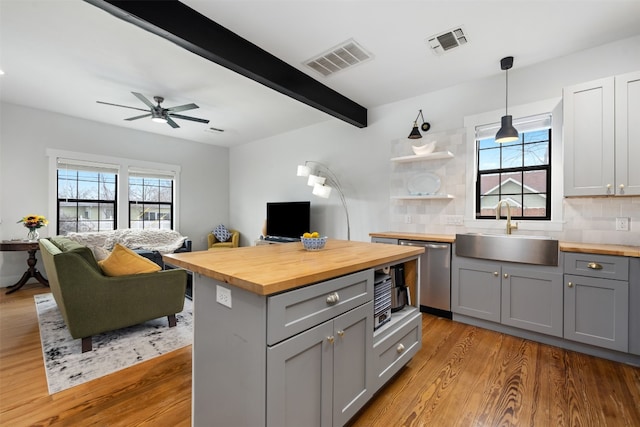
{"x":322,"y":185}
{"x":33,"y":222}
{"x":423,"y":150}
{"x":507,"y":132}
{"x":313,"y":243}
{"x":424,"y":184}
{"x":67,"y":367}
{"x":415,"y":133}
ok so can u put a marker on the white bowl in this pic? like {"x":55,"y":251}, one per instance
{"x":313,"y":243}
{"x":423,"y":150}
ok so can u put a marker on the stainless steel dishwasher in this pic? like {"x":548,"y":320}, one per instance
{"x":435,"y":277}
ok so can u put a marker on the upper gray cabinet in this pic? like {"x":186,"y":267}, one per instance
{"x":602,"y":137}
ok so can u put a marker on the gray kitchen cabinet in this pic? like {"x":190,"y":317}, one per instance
{"x":532,"y":299}
{"x":600,"y":134}
{"x":519,"y":295}
{"x":475,"y":288}
{"x":323,"y":376}
{"x":596,"y":297}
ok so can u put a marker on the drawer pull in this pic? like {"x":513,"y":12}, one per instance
{"x":330,"y":339}
{"x":333,"y":298}
{"x":341,"y":334}
{"x":570,"y":284}
{"x":506,"y":276}
{"x":594,"y":266}
{"x":400,"y":348}
{"x":495,"y":273}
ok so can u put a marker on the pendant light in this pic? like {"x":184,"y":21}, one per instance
{"x":507,"y":132}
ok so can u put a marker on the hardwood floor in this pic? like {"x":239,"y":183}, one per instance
{"x":463,"y":376}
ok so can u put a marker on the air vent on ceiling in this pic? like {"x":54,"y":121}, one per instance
{"x":345,"y":55}
{"x":444,"y":42}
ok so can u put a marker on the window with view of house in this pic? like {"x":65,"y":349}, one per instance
{"x":518,"y":172}
{"x":150,"y":200}
{"x":96,"y":195}
{"x":87,"y":196}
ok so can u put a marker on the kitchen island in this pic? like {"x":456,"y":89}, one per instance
{"x":284,"y":336}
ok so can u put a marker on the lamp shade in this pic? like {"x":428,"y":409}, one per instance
{"x":314,"y":179}
{"x":507,"y":132}
{"x":304,"y":170}
{"x":415,"y":133}
{"x":321,"y":190}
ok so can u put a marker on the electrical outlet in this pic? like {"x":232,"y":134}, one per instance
{"x":622,"y":223}
{"x":407,"y":219}
{"x":455,"y":220}
{"x":223,"y":296}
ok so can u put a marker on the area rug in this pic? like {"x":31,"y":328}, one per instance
{"x":67,"y":366}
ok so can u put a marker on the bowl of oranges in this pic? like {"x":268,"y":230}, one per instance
{"x":313,"y":241}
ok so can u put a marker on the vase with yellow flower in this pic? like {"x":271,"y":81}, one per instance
{"x":33,"y":222}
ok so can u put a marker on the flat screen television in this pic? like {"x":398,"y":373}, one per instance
{"x":288,"y":219}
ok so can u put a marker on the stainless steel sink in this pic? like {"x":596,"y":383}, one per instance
{"x":540,"y":250}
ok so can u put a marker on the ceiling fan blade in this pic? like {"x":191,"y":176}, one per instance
{"x":142,"y":98}
{"x":193,"y":119}
{"x":171,"y":122}
{"x":139,"y":117}
{"x":183,"y":107}
{"x":118,"y":105}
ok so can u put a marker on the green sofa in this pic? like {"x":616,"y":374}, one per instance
{"x":92,"y":303}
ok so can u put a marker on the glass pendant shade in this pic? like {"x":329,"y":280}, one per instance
{"x":507,"y":132}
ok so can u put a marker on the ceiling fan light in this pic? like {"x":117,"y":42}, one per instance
{"x":507,"y":132}
{"x":159,"y":120}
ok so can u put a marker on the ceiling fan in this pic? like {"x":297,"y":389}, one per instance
{"x":158,"y":113}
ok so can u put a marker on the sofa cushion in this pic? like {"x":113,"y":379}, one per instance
{"x":68,"y":245}
{"x":123,"y":261}
{"x":221,"y":233}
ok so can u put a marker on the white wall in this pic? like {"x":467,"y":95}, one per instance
{"x":27,"y":133}
{"x":265,"y":170}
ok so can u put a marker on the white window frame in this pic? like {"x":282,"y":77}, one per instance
{"x":124,"y":165}
{"x":552,"y":106}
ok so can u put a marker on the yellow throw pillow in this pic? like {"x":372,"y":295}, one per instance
{"x":124,"y":261}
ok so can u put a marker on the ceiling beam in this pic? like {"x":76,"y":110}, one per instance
{"x":195,"y":32}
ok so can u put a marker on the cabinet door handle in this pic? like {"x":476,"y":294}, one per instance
{"x":621,"y":188}
{"x":609,"y":188}
{"x":400,"y":348}
{"x":506,"y":276}
{"x":594,"y":266}
{"x":495,"y":273}
{"x":333,"y":298}
{"x":341,"y":334}
{"x":570,"y":284}
{"x":331,"y":339}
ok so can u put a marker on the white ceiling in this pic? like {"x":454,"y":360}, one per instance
{"x":64,"y":55}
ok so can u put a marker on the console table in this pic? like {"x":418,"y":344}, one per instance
{"x":32,"y":271}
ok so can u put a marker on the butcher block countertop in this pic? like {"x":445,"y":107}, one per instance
{"x":270,"y":269}
{"x":586,"y":248}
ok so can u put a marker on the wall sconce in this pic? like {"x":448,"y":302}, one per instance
{"x":323,"y":180}
{"x":507,"y":132}
{"x":415,"y":133}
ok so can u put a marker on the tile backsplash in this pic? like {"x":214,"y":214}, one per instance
{"x":585,"y":219}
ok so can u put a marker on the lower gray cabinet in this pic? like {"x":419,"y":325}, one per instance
{"x":597,"y":311}
{"x":532,"y":299}
{"x":519,"y":295}
{"x":596,"y":297}
{"x":323,"y":376}
{"x":475,"y":288}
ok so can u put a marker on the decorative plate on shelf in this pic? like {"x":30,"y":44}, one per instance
{"x":424,"y":184}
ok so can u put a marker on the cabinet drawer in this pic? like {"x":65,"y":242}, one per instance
{"x":396,"y":349}
{"x":293,"y":312}
{"x":600,"y":266}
